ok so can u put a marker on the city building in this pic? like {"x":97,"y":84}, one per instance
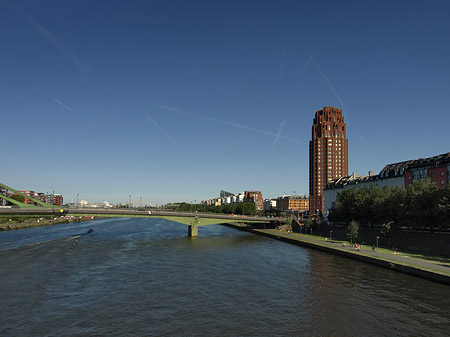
{"x":224,"y":194}
{"x":256,"y":198}
{"x":328,"y":154}
{"x":436,"y":168}
{"x":400,"y":174}
{"x":270,"y":204}
{"x":32,"y":194}
{"x":4,"y":202}
{"x":58,"y":200}
{"x":295,"y":203}
{"x":332,"y":188}
{"x":228,"y":198}
{"x":54,"y":199}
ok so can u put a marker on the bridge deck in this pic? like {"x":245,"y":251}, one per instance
{"x":208,"y":218}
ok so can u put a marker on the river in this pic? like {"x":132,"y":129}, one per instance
{"x":145,"y":277}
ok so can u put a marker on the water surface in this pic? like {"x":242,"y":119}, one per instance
{"x":145,"y":277}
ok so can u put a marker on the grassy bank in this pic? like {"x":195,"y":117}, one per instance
{"x":37,"y":221}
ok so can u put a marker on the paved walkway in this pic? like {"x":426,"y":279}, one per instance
{"x":435,"y":266}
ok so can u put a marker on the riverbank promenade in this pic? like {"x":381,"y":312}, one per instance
{"x":429,"y":267}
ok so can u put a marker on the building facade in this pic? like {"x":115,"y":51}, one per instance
{"x":295,"y":203}
{"x":256,"y":198}
{"x":4,"y":191}
{"x":436,"y":168}
{"x":328,"y":154}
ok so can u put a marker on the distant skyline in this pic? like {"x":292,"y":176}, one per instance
{"x":176,"y":100}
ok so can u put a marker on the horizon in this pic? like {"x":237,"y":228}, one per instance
{"x":175,"y":101}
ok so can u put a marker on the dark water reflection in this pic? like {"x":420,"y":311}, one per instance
{"x":145,"y":277}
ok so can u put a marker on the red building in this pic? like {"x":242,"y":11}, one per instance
{"x":328,"y":154}
{"x":58,"y":200}
{"x":436,"y":168}
{"x":256,"y":198}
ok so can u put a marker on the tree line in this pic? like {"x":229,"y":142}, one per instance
{"x":422,"y":205}
{"x":243,"y":208}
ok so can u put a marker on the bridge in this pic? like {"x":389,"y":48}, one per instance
{"x":6,"y":191}
{"x":192,"y":220}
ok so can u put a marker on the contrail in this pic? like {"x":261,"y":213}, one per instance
{"x":70,"y":109}
{"x":169,"y":108}
{"x":328,"y":81}
{"x":361,"y":137}
{"x":51,"y":38}
{"x":242,"y":126}
{"x":159,"y":127}
{"x":305,"y":66}
{"x":282,"y":61}
{"x":282,"y":124}
{"x":236,"y":125}
{"x":20,"y":99}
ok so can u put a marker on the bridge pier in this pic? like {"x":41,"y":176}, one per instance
{"x":193,"y":229}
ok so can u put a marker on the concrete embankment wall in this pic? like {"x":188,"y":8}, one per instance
{"x":424,"y":242}
{"x":429,"y":275}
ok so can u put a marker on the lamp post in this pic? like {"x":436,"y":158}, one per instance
{"x":377,"y":240}
{"x":140,"y":201}
{"x":77,"y":200}
{"x":129,"y":204}
{"x":331,"y":232}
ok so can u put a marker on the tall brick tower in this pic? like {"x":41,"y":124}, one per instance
{"x":328,"y":154}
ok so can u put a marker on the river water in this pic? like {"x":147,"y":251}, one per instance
{"x":145,"y":277}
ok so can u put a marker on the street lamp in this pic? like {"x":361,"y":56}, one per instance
{"x":331,"y":232}
{"x":129,"y":204}
{"x":77,"y":198}
{"x":377,"y":240}
{"x":140,"y":201}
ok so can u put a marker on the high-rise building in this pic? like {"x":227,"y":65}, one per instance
{"x":328,"y":154}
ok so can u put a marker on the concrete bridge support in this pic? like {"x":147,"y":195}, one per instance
{"x":193,"y":229}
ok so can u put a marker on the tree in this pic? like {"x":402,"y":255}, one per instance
{"x":422,"y":200}
{"x":249,"y":208}
{"x":310,"y":224}
{"x":386,"y":230}
{"x":444,"y":207}
{"x":343,"y":209}
{"x":352,"y":231}
{"x":229,"y":209}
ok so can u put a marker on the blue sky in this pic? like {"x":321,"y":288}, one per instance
{"x":175,"y":100}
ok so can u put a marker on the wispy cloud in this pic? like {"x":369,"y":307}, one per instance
{"x":52,"y":39}
{"x":159,"y":127}
{"x":327,"y":80}
{"x":73,"y":111}
{"x":282,"y":124}
{"x":249,"y":128}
